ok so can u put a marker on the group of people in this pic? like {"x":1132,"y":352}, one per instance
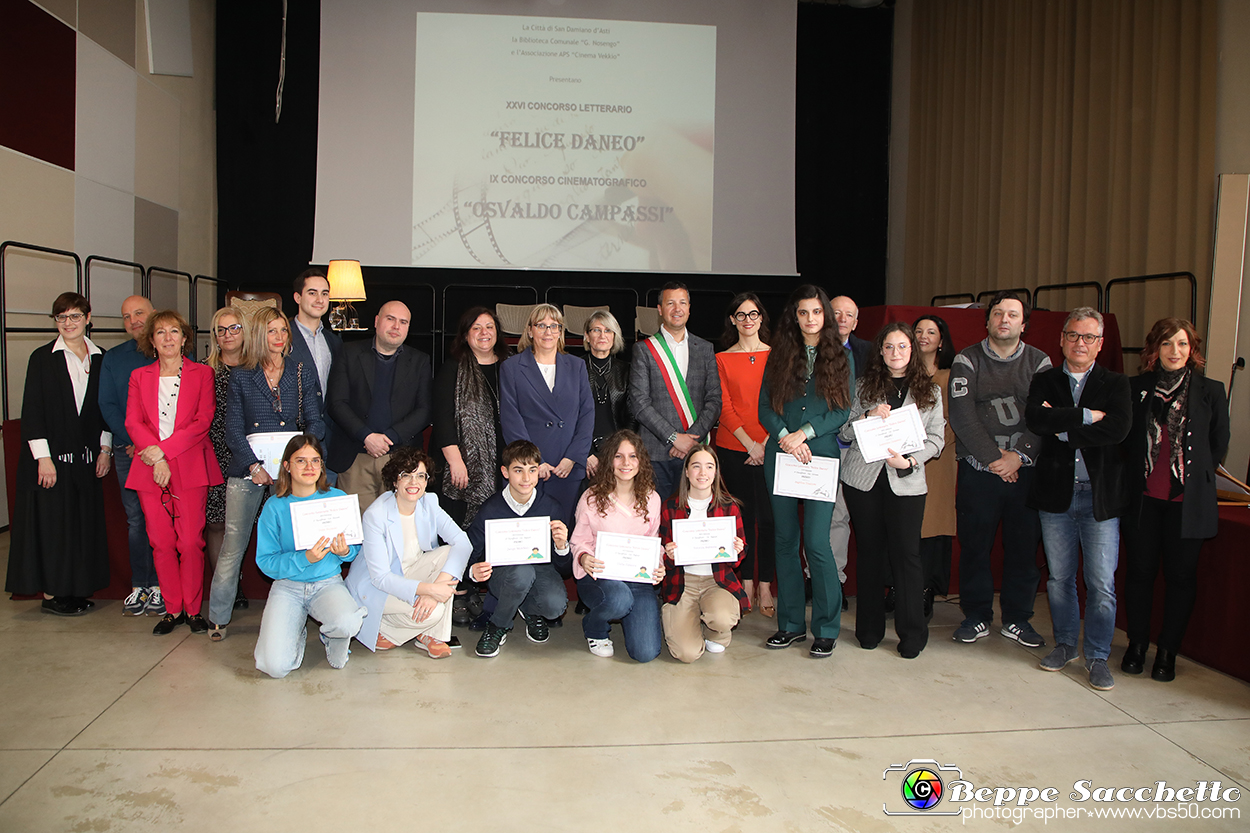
{"x":602,"y":444}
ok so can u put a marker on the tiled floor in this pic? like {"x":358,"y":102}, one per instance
{"x":108,"y":728}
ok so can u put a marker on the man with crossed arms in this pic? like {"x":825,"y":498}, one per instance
{"x":674,"y":389}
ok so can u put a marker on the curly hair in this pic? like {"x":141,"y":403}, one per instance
{"x":876,"y":385}
{"x":730,"y":336}
{"x":1164,"y":329}
{"x":161,"y":318}
{"x":603,"y":484}
{"x":283,"y":487}
{"x":786,"y":372}
{"x":720,"y":494}
{"x":406,"y":458}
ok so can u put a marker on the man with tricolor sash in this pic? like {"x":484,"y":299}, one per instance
{"x":674,"y":389}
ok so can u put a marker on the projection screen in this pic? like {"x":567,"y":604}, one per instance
{"x":651,"y":135}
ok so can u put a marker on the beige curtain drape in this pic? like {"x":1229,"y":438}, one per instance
{"x":1062,"y":140}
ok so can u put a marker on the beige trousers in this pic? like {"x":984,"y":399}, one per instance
{"x":704,"y":604}
{"x":364,"y":478}
{"x":397,"y":623}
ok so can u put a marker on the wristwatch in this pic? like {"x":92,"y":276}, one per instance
{"x":672,"y":438}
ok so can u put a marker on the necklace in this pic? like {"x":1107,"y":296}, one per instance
{"x":599,"y":379}
{"x":171,"y":401}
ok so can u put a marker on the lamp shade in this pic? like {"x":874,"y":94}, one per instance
{"x":346,"y":281}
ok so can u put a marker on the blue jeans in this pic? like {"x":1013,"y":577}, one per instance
{"x":243,"y":499}
{"x":535,"y":589}
{"x":284,"y":625}
{"x":636,"y":605}
{"x":142,"y":570}
{"x":1099,"y":543}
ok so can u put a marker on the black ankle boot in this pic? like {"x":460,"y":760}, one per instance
{"x":1165,"y":666}
{"x":1134,"y":658}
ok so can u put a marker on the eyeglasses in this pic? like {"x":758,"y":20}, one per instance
{"x":1071,"y":337}
{"x":896,"y":348}
{"x":413,"y":477}
{"x":550,"y":328}
{"x":599,"y":331}
{"x":75,"y":317}
{"x":753,"y":315}
{"x":233,"y":328}
{"x":307,"y":461}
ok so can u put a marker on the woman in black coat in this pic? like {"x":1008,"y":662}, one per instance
{"x":59,"y":546}
{"x":609,"y":381}
{"x":1179,"y":436}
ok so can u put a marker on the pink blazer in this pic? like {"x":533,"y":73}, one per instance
{"x":188,"y":450}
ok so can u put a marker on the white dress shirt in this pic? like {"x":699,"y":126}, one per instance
{"x":681,"y":349}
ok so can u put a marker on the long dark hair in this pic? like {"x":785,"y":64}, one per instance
{"x":603,"y":484}
{"x":730,"y":336}
{"x":786,"y":371}
{"x":876,"y":385}
{"x":720,"y":494}
{"x":460,"y":346}
{"x":946,"y":352}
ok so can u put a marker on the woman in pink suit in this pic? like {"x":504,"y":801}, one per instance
{"x":169,"y":409}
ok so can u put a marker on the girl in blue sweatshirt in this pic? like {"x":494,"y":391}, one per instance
{"x":306,"y":582}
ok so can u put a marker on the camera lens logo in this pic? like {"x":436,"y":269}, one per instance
{"x":922,"y":789}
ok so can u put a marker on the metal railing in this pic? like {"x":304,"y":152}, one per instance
{"x":1051,"y":287}
{"x":933,"y":302}
{"x":5,"y":329}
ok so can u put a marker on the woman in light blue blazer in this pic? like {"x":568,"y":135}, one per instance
{"x":886,"y":497}
{"x":544,"y":397}
{"x":404,"y":579}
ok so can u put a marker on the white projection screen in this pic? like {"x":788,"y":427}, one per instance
{"x":648,"y":135}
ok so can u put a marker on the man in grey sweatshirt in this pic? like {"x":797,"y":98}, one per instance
{"x":989,"y":387}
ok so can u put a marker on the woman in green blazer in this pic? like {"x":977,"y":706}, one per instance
{"x":804,"y":400}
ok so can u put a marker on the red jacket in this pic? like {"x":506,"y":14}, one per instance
{"x":675,"y":577}
{"x":188,"y":450}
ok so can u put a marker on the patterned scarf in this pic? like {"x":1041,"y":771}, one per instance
{"x":476,"y":407}
{"x":1168,"y":407}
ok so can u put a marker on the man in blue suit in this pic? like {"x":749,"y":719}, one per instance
{"x":313,"y":343}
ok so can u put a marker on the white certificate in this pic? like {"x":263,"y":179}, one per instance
{"x":704,"y":540}
{"x":518,"y":541}
{"x":627,"y":557}
{"x":902,"y":431}
{"x":817,"y":480}
{"x":326,"y":517}
{"x":268,"y":449}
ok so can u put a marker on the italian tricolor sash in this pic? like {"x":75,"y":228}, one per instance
{"x":673,"y":379}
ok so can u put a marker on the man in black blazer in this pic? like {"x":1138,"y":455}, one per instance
{"x":313,"y":343}
{"x":379,"y":397}
{"x":1081,"y":411}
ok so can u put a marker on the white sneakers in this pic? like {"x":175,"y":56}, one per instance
{"x":713,"y":647}
{"x":600,"y":647}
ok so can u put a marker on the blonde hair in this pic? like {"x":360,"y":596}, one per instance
{"x":214,"y":350}
{"x":609,"y":321}
{"x":537,"y":314}
{"x":256,"y":347}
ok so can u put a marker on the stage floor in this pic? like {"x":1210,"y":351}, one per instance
{"x":106,"y":727}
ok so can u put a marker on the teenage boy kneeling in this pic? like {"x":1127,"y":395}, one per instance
{"x":535,"y":589}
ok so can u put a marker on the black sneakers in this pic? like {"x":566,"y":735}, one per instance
{"x":491,"y":641}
